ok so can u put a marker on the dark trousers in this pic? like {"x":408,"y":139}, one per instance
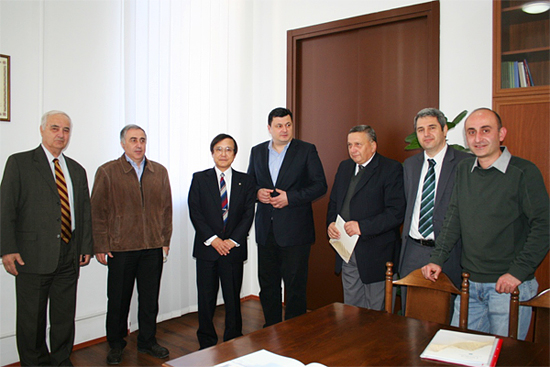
{"x":209,"y":276}
{"x":33,"y":291}
{"x":289,"y":264}
{"x":145,"y":268}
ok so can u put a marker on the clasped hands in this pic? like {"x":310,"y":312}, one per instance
{"x":279,"y":201}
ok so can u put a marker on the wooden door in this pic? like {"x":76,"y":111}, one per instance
{"x":379,"y":69}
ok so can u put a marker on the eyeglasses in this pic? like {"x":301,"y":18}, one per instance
{"x":224,"y":149}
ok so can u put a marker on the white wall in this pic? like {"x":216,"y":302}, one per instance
{"x":68,"y":55}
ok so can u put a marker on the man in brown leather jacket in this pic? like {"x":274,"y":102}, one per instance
{"x":132,"y":226}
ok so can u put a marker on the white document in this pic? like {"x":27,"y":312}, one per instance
{"x":463,"y":348}
{"x":345,"y":244}
{"x":264,"y":358}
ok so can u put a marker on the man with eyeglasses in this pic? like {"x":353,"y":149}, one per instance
{"x":221,"y":207}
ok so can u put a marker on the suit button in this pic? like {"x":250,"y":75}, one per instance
{"x":58,"y":236}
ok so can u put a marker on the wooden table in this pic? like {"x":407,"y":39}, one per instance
{"x":341,"y":335}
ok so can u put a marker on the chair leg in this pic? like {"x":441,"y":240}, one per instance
{"x":389,"y":287}
{"x":514,"y":314}
{"x":464,"y":300}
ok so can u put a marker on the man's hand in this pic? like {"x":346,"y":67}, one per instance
{"x":222,"y":246}
{"x":9,"y":262}
{"x":102,"y":257}
{"x":264,"y":196}
{"x":507,"y":283}
{"x":279,"y":201}
{"x":333,"y":232}
{"x":85,"y":259}
{"x":431,"y":271}
{"x":352,"y":228}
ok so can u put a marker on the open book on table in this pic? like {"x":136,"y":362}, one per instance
{"x":264,"y":358}
{"x":463,"y":348}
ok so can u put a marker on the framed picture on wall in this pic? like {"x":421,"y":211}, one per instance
{"x":4,"y":88}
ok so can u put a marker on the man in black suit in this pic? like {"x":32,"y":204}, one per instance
{"x":46,"y":234}
{"x":419,"y":238}
{"x":368,"y":195}
{"x":221,"y":207}
{"x":288,"y":175}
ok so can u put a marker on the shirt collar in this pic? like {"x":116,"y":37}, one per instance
{"x":50,"y":156}
{"x":270,"y":147}
{"x":227,"y":173}
{"x":501,"y":163}
{"x":438,"y":158}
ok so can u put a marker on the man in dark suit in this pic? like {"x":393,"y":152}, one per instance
{"x":221,"y":207}
{"x":419,"y":234}
{"x":368,"y":195}
{"x":46,"y":234}
{"x":288,"y":175}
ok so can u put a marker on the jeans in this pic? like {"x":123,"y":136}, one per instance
{"x":489,"y":311}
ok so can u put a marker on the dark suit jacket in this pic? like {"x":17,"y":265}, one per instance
{"x":303,"y":178}
{"x":206,"y":213}
{"x":411,"y":173}
{"x":379,"y":206}
{"x":30,"y":219}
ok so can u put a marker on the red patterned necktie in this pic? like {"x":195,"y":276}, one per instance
{"x":66,"y":227}
{"x":223,"y":193}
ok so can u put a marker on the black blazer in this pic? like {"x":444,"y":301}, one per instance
{"x":30,"y":218}
{"x":411,"y":173}
{"x":379,"y":206}
{"x":303,"y":178}
{"x":206,"y":213}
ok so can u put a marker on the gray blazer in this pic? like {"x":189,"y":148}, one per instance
{"x":411,"y":173}
{"x":30,"y":211}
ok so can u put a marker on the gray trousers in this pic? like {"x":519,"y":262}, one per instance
{"x":356,"y":293}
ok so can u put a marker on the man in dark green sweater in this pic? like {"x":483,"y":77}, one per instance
{"x":499,"y":208}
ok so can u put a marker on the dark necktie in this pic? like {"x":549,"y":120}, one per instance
{"x":425,"y":224}
{"x":223,"y":194}
{"x":361,"y":167}
{"x":66,"y":227}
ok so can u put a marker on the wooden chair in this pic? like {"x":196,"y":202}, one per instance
{"x":427,"y":300}
{"x":541,"y":304}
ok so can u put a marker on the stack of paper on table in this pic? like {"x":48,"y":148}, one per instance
{"x":463,"y":348}
{"x":264,"y":358}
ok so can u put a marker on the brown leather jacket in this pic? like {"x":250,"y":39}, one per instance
{"x":128,"y":215}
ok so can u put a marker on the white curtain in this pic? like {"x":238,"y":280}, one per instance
{"x":176,"y":86}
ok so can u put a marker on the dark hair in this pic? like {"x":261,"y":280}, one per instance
{"x":364,"y":129}
{"x":431,"y":112}
{"x":278,"y":112}
{"x":499,"y":121}
{"x":219,"y":138}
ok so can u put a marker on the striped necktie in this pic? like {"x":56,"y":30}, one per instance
{"x":425,"y":224}
{"x":223,"y":193}
{"x":66,"y":227}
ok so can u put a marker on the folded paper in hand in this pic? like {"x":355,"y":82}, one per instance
{"x":345,"y":244}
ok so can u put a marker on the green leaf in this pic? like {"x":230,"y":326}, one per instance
{"x":457,"y":119}
{"x":410,"y":138}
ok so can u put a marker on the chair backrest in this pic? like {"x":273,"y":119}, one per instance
{"x":427,"y":300}
{"x":541,"y":303}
